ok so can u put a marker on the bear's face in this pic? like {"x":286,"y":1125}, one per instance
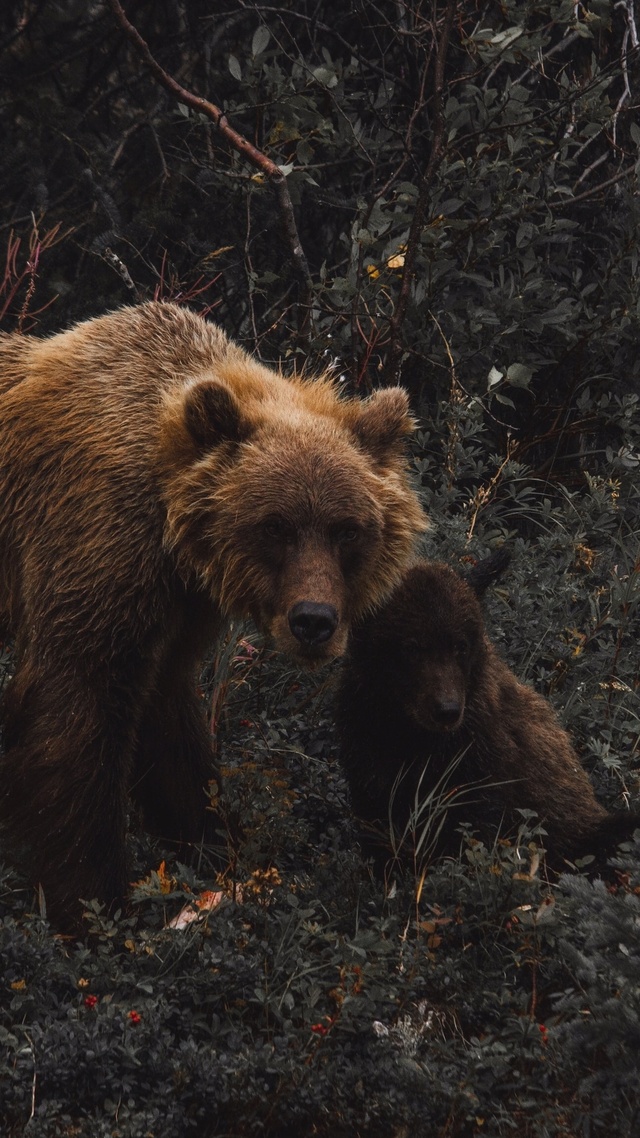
{"x":307,"y":533}
{"x":430,"y":638}
{"x":304,"y":521}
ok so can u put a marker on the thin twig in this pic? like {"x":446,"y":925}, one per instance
{"x":630,"y":33}
{"x":34,"y":1078}
{"x":456,"y":398}
{"x":417,"y":221}
{"x":593,"y":192}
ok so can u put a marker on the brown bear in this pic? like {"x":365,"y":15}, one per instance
{"x":427,"y":711}
{"x":154,"y":477}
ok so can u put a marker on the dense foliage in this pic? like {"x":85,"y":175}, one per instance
{"x":462,"y":180}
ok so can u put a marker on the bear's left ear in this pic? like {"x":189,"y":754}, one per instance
{"x":382,"y":423}
{"x":212,"y":415}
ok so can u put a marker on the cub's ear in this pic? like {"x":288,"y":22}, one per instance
{"x":212,"y":415}
{"x":382,"y":423}
{"x":487,"y":571}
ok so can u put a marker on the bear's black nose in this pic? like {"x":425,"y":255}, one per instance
{"x":447,"y":712}
{"x":311,"y":623}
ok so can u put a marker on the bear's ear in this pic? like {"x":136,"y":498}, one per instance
{"x":213,"y":415}
{"x":382,"y":423}
{"x":487,"y":571}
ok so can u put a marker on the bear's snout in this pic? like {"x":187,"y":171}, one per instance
{"x":439,"y":699}
{"x":313,"y":623}
{"x":447,"y":713}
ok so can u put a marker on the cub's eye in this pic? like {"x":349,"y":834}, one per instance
{"x":411,"y":646}
{"x":462,"y":647}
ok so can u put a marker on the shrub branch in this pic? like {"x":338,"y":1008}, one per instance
{"x":239,"y":143}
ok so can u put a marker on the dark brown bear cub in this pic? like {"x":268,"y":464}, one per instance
{"x":154,"y":478}
{"x":425,"y":696}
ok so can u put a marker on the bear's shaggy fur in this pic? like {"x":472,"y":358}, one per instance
{"x":424,"y":692}
{"x":154,"y":476}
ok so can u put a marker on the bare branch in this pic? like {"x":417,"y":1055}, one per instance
{"x":240,"y":144}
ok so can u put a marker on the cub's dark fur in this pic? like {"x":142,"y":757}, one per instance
{"x":424,"y":692}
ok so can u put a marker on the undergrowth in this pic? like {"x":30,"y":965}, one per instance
{"x":472,"y":1001}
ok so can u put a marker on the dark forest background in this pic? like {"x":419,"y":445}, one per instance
{"x":443,"y":194}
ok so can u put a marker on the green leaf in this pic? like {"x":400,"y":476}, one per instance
{"x":508,"y":36}
{"x":326,"y":75}
{"x":234,"y":67}
{"x":304,"y":152}
{"x":261,"y":38}
{"x":519,"y":375}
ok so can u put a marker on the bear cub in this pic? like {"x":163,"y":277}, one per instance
{"x":426,"y":708}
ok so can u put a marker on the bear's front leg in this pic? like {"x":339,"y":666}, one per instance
{"x":63,"y":791}
{"x":174,"y":765}
{"x":174,"y":762}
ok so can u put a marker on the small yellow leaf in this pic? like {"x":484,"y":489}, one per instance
{"x":585,"y":556}
{"x":217,"y":253}
{"x":281,"y":133}
{"x":166,"y":883}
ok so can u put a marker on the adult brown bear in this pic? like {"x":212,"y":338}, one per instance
{"x":428,"y":711}
{"x":153,"y":476}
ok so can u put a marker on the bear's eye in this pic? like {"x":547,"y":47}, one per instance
{"x":276,"y":528}
{"x":462,"y":646}
{"x":348,"y":533}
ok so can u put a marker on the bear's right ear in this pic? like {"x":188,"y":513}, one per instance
{"x":383,"y":422}
{"x":212,"y":415}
